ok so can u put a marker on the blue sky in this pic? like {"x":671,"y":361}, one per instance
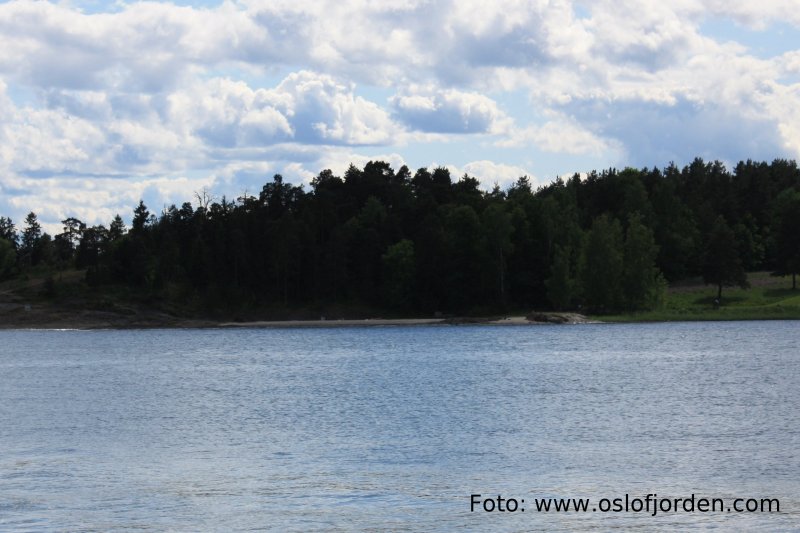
{"x":104,"y":103}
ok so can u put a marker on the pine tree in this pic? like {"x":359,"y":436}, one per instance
{"x":8,"y":231}
{"x":642,"y":282}
{"x":787,"y":235}
{"x":722,"y":266}
{"x":561,"y":284}
{"x":31,"y":233}
{"x":601,"y":265}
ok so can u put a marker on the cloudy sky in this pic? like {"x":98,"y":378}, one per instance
{"x":104,"y":103}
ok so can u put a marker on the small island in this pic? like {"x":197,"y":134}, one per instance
{"x":384,"y":246}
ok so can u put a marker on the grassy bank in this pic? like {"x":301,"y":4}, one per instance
{"x":768,"y":298}
{"x":62,"y":299}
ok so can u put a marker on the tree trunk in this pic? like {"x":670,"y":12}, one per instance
{"x":719,"y":294}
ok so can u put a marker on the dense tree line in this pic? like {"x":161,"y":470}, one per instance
{"x":423,"y":242}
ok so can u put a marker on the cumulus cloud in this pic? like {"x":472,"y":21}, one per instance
{"x":305,"y":108}
{"x":653,"y":88}
{"x":449,"y":111}
{"x":155,"y":91}
{"x":43,"y":139}
{"x":656,"y":133}
{"x":144,"y":47}
{"x":94,"y":200}
{"x":490,"y":173}
{"x":226,"y":113}
{"x":248,"y":177}
{"x":719,"y":104}
{"x":329,"y":112}
{"x":50,"y":45}
{"x":91,"y":131}
{"x":561,"y":134}
{"x":339,"y":160}
{"x":755,"y":14}
{"x":648,"y":35}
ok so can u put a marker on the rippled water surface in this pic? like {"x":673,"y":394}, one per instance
{"x":395,"y":427}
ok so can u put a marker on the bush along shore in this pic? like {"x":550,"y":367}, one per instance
{"x":68,"y":302}
{"x":767,"y":298}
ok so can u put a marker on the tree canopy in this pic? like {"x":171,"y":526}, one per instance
{"x":423,"y":242}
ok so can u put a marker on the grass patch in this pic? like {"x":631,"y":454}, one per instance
{"x":768,"y":298}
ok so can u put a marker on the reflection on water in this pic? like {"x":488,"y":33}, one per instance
{"x":395,"y":427}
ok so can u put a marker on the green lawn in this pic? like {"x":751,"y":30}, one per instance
{"x":768,"y":298}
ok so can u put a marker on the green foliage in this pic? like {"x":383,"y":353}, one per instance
{"x":561,"y":285}
{"x":417,"y":242}
{"x":498,"y":230}
{"x":601,"y":265}
{"x":8,"y":231}
{"x":73,"y":231}
{"x":116,"y":229}
{"x":398,"y":274}
{"x":29,"y":241}
{"x":141,"y":216}
{"x":463,"y":258}
{"x":675,"y":229}
{"x":769,"y":297}
{"x":8,"y":258}
{"x":642,"y":283}
{"x":787,"y":234}
{"x":722,"y":266}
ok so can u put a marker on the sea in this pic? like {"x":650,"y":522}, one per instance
{"x":410,"y":428}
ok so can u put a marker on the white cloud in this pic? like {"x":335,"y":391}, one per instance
{"x":490,"y":173}
{"x":650,"y":35}
{"x":305,"y":108}
{"x":449,"y":111}
{"x":561,"y":134}
{"x":224,"y":113}
{"x":44,"y":139}
{"x":151,"y":47}
{"x":785,"y":104}
{"x":94,"y":132}
{"x":755,"y":14}
{"x":138,"y":92}
{"x":652,"y":88}
{"x":324,"y":110}
{"x":339,"y":160}
{"x":93,"y":200}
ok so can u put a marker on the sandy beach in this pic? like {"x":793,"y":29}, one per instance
{"x":19,"y":316}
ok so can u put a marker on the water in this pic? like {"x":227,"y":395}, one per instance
{"x":395,"y":427}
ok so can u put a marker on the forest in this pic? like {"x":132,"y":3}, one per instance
{"x":424,"y":243}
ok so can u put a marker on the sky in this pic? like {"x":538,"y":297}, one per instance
{"x":106,"y":103}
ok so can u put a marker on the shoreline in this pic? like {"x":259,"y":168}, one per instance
{"x":42,"y":319}
{"x":517,"y":320}
{"x":32,"y":317}
{"x":23,"y":306}
{"x":179,"y":323}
